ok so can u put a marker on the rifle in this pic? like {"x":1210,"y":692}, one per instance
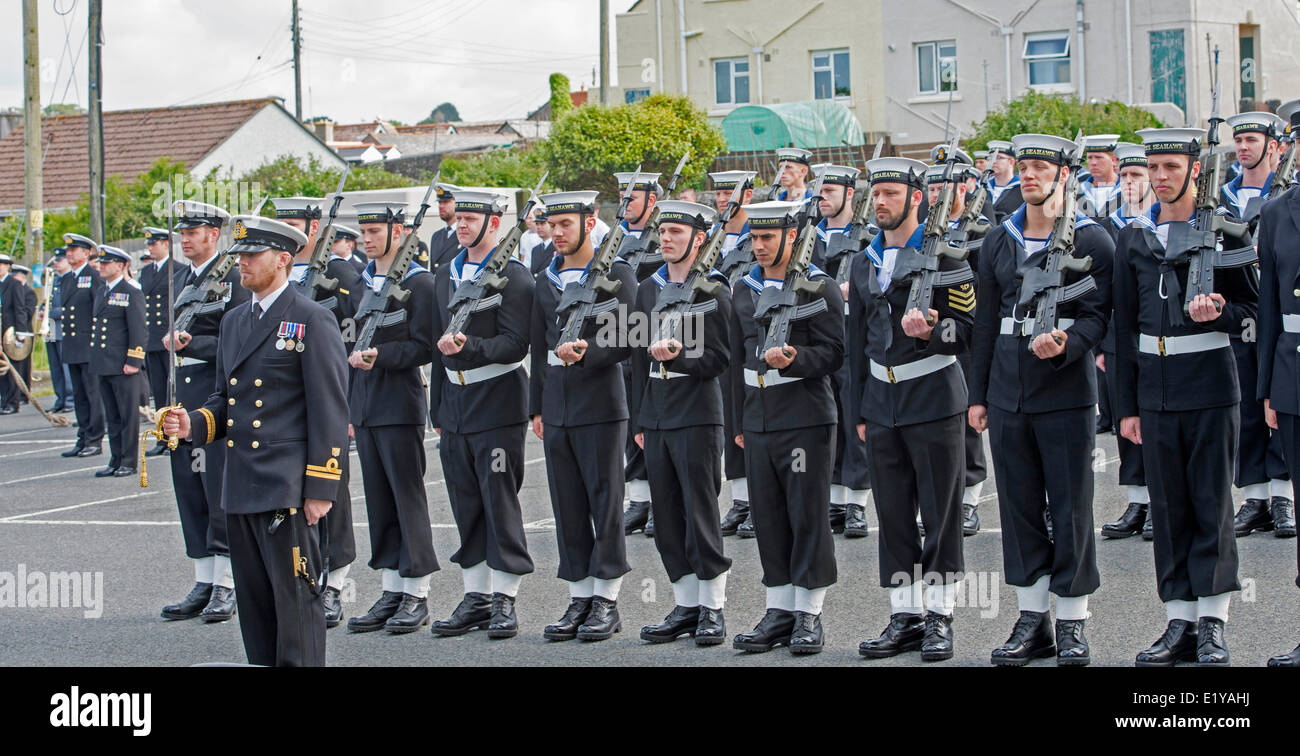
{"x":1045,"y":287}
{"x":923,"y":266}
{"x":1197,"y":243}
{"x":780,"y":307}
{"x":316,"y":282}
{"x":479,"y":294}
{"x":857,"y":236}
{"x":157,"y":432}
{"x":373,"y":303}
{"x":648,"y":252}
{"x":734,"y":262}
{"x":1285,"y":171}
{"x":972,"y":226}
{"x":578,"y":302}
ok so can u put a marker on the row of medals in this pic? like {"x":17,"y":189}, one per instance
{"x":289,"y":345}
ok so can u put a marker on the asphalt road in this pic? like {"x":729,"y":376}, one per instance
{"x":54,"y":517}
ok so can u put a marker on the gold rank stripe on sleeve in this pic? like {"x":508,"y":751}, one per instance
{"x":962,"y":297}
{"x":211,"y":423}
{"x":136,"y":353}
{"x":330,"y":471}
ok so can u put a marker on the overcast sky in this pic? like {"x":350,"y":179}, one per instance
{"x":361,"y":60}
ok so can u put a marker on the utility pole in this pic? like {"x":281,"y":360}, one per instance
{"x":32,"y":133}
{"x":297,"y":64}
{"x":604,"y":52}
{"x":95,"y":123}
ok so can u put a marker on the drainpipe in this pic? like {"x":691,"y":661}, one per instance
{"x":1083,"y":69}
{"x":1128,"y":43}
{"x":681,"y":19}
{"x":1007,"y":31}
{"x":758,"y":71}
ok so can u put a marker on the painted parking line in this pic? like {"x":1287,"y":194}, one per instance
{"x":12,"y":518}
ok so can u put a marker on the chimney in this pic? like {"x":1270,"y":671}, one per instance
{"x":324,"y":130}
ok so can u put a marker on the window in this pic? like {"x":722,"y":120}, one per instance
{"x":1048,"y":58}
{"x":936,"y":67}
{"x":731,"y":81}
{"x":830,"y":74}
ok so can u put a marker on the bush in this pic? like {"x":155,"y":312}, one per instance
{"x":520,"y":167}
{"x":1037,"y":113}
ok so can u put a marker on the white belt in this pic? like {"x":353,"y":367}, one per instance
{"x":187,"y":361}
{"x":1291,"y":323}
{"x":767,"y":380}
{"x":658,"y":371}
{"x":475,"y":375}
{"x":1027,"y":326}
{"x":1168,"y":346}
{"x":900,"y":373}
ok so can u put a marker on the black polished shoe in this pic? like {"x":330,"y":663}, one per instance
{"x":1031,"y":638}
{"x":682,"y":620}
{"x":411,"y":615}
{"x":903,"y":633}
{"x":855,"y":521}
{"x":56,"y":409}
{"x":91,"y":451}
{"x":936,"y":645}
{"x":124,"y":472}
{"x":9,"y":411}
{"x":970,"y":519}
{"x":746,"y":528}
{"x":1129,"y":524}
{"x":738,"y":513}
{"x":602,"y":620}
{"x":837,"y":519}
{"x":771,"y":631}
{"x":1286,"y":660}
{"x":1283,"y":511}
{"x":806,"y":637}
{"x":379,"y":613}
{"x":333,"y":606}
{"x":1071,"y":645}
{"x":634,"y":518}
{"x":1178,"y":643}
{"x":221,"y":606}
{"x":711,"y":630}
{"x":474,"y":612}
{"x":504,"y":623}
{"x":649,"y":528}
{"x":107,"y":472}
{"x":73,"y":452}
{"x":1211,"y":646}
{"x":1148,"y":534}
{"x":567,"y":627}
{"x":1253,"y":515}
{"x":158,"y":449}
{"x":190,"y":606}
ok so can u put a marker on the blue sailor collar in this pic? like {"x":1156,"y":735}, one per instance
{"x":743,"y":232}
{"x":781,"y":195}
{"x":1015,"y":181}
{"x":660,"y":277}
{"x":553,"y":271}
{"x":1015,"y":224}
{"x":824,"y":232}
{"x":1151,"y":219}
{"x":754,"y":278}
{"x":876,"y":249}
{"x":412,"y":269}
{"x":1231,"y":188}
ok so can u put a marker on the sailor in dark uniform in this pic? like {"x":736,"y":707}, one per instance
{"x":199,"y":469}
{"x":540,"y":255}
{"x":442,"y":244}
{"x":389,"y":410}
{"x":578,"y":406}
{"x":155,"y":274}
{"x":786,"y":421}
{"x":837,"y":243}
{"x":1036,"y":398}
{"x":1261,"y":468}
{"x":793,"y":174}
{"x":283,"y":465}
{"x":347,"y":245}
{"x":1279,"y":337}
{"x":676,"y":416}
{"x":909,"y":400}
{"x":116,"y":358}
{"x":1099,"y":193}
{"x":1135,"y":191}
{"x":478,"y":401}
{"x":303,"y":214}
{"x":17,"y":308}
{"x":635,"y":250}
{"x":735,"y":259}
{"x":59,"y":379}
{"x":1178,"y":397}
{"x":1004,"y":186}
{"x":78,"y":289}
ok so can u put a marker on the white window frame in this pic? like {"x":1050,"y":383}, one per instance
{"x":830,"y":68}
{"x":1066,"y":56}
{"x":935,"y":57}
{"x":718,"y":104}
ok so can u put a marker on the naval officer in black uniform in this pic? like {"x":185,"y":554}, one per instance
{"x":1178,"y":397}
{"x":156,"y":272}
{"x":478,"y":402}
{"x":282,"y":412}
{"x":442,"y":244}
{"x":578,"y":406}
{"x":116,"y":358}
{"x":78,"y":288}
{"x":1004,"y":186}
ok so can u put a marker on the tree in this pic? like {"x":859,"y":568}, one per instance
{"x":442,"y":114}
{"x":1037,"y":113}
{"x":561,"y":103}
{"x":590,"y":144}
{"x":508,"y":167}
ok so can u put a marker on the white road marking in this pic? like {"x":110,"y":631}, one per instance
{"x":49,"y":475}
{"x":13,"y":518}
{"x":38,"y":441}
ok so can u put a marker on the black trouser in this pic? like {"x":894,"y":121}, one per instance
{"x":1189,"y":460}
{"x":1288,"y":429}
{"x":342,"y":539}
{"x":281,"y":615}
{"x":1104,"y":400}
{"x":121,"y":395}
{"x":1131,"y":470}
{"x":977,"y":469}
{"x":10,"y":394}
{"x":685,"y":468}
{"x":634,"y":469}
{"x":159,"y":373}
{"x":484,"y":472}
{"x":733,"y":457}
{"x":392,"y":474}
{"x":789,"y":474}
{"x":58,"y":379}
{"x":197,"y":473}
{"x":919,"y":468}
{"x":1259,"y":454}
{"x":1046,"y":455}
{"x":584,"y":469}
{"x":89,"y":407}
{"x":850,"y":452}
